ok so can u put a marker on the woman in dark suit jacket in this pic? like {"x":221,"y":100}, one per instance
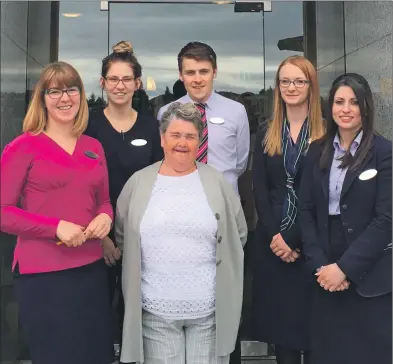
{"x":346,"y":222}
{"x":281,"y":287}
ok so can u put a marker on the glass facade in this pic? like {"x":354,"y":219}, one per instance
{"x":246,"y":43}
{"x":26,"y":46}
{"x":83,"y":40}
{"x":336,"y":36}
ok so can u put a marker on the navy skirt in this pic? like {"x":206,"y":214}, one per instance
{"x":345,"y":327}
{"x":281,"y":297}
{"x":66,"y":315}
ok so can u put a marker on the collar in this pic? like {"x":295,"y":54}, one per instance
{"x":354,"y":146}
{"x":209,"y":102}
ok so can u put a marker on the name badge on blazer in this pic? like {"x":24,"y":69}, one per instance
{"x":90,"y":154}
{"x":366,"y":175}
{"x":139,"y":142}
{"x":216,"y":120}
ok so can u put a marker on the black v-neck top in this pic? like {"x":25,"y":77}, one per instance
{"x":123,"y":157}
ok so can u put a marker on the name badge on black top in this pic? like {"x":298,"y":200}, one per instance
{"x":91,"y":154}
{"x":139,"y":142}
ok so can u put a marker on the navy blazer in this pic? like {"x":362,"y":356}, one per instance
{"x":366,"y":214}
{"x":269,"y":188}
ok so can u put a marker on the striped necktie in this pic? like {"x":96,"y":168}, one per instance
{"x":202,"y":152}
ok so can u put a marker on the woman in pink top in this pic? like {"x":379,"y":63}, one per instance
{"x":55,"y":198}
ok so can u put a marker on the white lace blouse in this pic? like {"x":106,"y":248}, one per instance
{"x":178,"y":243}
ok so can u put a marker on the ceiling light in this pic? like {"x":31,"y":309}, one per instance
{"x":222,"y":2}
{"x":72,"y":15}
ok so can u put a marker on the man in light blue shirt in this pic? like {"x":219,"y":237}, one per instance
{"x":227,"y":121}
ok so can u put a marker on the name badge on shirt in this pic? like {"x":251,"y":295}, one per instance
{"x":91,"y":154}
{"x":216,"y":120}
{"x":139,"y":142}
{"x":370,"y":173}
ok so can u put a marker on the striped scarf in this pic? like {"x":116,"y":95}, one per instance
{"x":291,"y":166}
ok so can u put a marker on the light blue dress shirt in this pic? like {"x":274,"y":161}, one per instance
{"x":229,"y":142}
{"x":337,"y":174}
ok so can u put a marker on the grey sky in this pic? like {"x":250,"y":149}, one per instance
{"x":158,"y":31}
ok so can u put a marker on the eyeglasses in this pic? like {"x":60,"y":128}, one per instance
{"x":113,"y":80}
{"x":296,"y":83}
{"x":56,"y":93}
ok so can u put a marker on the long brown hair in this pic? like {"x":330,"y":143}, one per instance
{"x":273,"y":136}
{"x":62,"y":75}
{"x":364,"y":97}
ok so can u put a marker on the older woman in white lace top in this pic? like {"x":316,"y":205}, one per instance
{"x":182,"y":231}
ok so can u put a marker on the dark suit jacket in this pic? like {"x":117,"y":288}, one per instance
{"x":269,"y":188}
{"x":366,"y":214}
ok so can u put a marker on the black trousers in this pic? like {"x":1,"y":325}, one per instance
{"x":236,"y":354}
{"x":114,"y":282}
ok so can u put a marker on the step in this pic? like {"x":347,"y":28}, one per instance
{"x":254,"y":349}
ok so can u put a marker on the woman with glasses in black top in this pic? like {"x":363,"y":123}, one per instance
{"x":131,"y":140}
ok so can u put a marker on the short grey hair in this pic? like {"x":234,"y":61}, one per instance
{"x":187,"y":112}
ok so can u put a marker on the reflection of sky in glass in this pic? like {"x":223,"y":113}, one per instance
{"x":83,"y":41}
{"x":158,"y":31}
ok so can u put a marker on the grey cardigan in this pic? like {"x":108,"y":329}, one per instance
{"x":231,"y":237}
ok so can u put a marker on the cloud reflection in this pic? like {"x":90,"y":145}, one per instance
{"x":158,"y":31}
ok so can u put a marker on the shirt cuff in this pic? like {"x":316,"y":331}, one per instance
{"x":106,"y":209}
{"x":51,"y":226}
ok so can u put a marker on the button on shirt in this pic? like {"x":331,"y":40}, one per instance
{"x":337,"y":174}
{"x":229,"y":142}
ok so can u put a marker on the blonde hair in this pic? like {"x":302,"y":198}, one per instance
{"x":61,"y":75}
{"x":272,"y":141}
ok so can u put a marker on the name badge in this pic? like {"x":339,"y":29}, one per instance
{"x":366,"y":175}
{"x":216,"y":120}
{"x":91,"y":154}
{"x":139,"y":142}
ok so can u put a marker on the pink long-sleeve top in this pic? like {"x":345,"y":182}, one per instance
{"x":42,"y":184}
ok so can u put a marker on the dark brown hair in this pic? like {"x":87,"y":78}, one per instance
{"x":364,"y":97}
{"x":198,"y":51}
{"x":122,"y":52}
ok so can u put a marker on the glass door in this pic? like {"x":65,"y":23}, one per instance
{"x":159,"y":30}
{"x":248,"y":54}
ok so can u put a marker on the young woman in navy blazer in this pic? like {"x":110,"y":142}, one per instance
{"x":346,"y":222}
{"x":281,"y":284}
